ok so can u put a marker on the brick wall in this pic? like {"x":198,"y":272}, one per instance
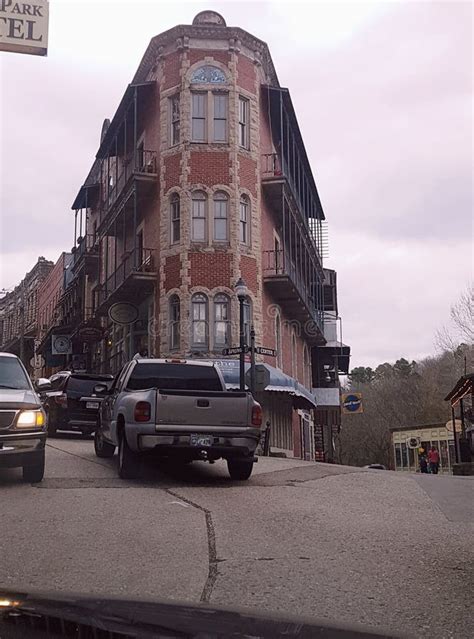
{"x":246,"y":74}
{"x":172,"y":170}
{"x":195,"y":55}
{"x":172,"y":67}
{"x":247,"y":174}
{"x":172,"y":272}
{"x":209,"y":168}
{"x":210,"y":269}
{"x":248,"y":270}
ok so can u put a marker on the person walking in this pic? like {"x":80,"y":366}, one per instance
{"x":423,"y":463}
{"x":433,"y":460}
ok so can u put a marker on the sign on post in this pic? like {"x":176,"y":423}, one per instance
{"x":263,"y":350}
{"x":262,"y":377}
{"x":24,"y":26}
{"x":235,"y":350}
{"x":352,"y":403}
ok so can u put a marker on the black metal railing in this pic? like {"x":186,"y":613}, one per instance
{"x":134,"y":261}
{"x":278,"y":263}
{"x":144,"y":164}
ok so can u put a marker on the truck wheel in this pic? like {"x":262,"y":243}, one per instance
{"x":101,"y":447}
{"x":128,"y":460}
{"x":34,"y":472}
{"x":239,"y":469}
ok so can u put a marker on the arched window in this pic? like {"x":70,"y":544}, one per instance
{"x":244,"y":219}
{"x":306,"y":368}
{"x":247,"y":319}
{"x":174,"y":323}
{"x":221,"y":206}
{"x":208,"y":74}
{"x":200,"y":335}
{"x":279,"y":356}
{"x":221,"y":321}
{"x":175,"y":215}
{"x":294,"y":356}
{"x":198,"y":226}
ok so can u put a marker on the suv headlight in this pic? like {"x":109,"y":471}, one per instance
{"x":30,"y":419}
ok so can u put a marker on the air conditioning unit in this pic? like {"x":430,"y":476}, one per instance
{"x":413,"y":442}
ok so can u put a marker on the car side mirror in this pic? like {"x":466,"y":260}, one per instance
{"x":42,"y":385}
{"x":101,"y":389}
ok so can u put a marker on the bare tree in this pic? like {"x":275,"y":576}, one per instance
{"x":462,"y":323}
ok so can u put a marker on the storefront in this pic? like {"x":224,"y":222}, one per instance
{"x":440,"y":435}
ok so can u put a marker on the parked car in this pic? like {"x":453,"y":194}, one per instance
{"x":376,"y":466}
{"x":71,"y":404}
{"x":178,"y":409}
{"x":22,"y":420}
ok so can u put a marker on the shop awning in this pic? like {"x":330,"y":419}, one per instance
{"x":279,"y":382}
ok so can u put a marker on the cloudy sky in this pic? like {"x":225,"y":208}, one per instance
{"x":383,"y":93}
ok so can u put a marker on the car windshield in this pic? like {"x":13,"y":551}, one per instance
{"x":12,"y":374}
{"x":174,"y":377}
{"x":85,"y":385}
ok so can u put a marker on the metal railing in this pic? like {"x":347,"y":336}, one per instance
{"x":134,"y":261}
{"x":278,"y":263}
{"x":144,"y":163}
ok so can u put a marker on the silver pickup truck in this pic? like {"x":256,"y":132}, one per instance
{"x":178,"y":409}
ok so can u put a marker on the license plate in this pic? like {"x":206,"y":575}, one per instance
{"x":201,"y":440}
{"x":94,"y":405}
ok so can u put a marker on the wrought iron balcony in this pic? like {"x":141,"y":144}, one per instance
{"x":86,"y":255}
{"x":292,"y":288}
{"x":133,"y":279}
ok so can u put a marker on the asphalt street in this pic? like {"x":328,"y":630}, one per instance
{"x":347,"y":545}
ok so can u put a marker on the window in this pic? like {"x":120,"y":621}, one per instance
{"x":174,"y":376}
{"x":198,"y":231}
{"x":175,"y":218}
{"x":306,"y":367}
{"x":174,"y":120}
{"x":199,"y":109}
{"x":279,"y":358}
{"x":199,"y":321}
{"x":208,"y":75}
{"x":244,"y":216}
{"x":294,"y":357}
{"x":243,"y":123}
{"x":174,"y":322}
{"x":220,"y":117}
{"x":220,"y":217}
{"x":247,"y":320}
{"x":221,"y":321}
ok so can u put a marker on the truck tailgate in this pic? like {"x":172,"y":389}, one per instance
{"x":202,"y":408}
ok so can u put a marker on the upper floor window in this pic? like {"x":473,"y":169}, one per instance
{"x":174,"y":332}
{"x":199,"y":335}
{"x":247,"y":319}
{"x":279,"y":358}
{"x":175,"y":215}
{"x":174,"y":119}
{"x":294,"y":356}
{"x":208,"y":74}
{"x":244,"y":122}
{"x":306,"y":368}
{"x":209,"y":116}
{"x":199,"y":119}
{"x":198,"y":223}
{"x":221,"y":321}
{"x":244,"y":218}
{"x":221,"y":202}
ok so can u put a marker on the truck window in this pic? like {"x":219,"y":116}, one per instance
{"x":174,"y":377}
{"x":12,"y":374}
{"x":85,"y":386}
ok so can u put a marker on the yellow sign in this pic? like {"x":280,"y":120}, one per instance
{"x":24,"y":26}
{"x":352,"y":403}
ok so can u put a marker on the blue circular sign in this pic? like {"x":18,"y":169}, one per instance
{"x":352,"y":403}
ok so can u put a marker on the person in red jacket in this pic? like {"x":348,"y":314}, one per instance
{"x":433,"y":460}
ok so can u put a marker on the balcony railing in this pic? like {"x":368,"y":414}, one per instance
{"x":137,"y":265}
{"x":86,"y":254}
{"x":143,"y":165}
{"x":292,"y":286}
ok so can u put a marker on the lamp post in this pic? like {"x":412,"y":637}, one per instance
{"x":241,"y":292}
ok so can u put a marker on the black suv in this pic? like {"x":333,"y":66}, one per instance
{"x":71,"y":404}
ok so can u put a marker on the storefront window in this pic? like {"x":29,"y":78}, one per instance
{"x":404,"y":455}
{"x":398,"y":456}
{"x":443,"y":451}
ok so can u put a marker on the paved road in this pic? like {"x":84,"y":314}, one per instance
{"x":337,"y":543}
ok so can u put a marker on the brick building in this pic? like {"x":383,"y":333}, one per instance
{"x":19,"y":313}
{"x":201,"y":177}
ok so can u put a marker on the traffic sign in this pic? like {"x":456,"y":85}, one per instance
{"x":262,"y":377}
{"x":352,"y":403}
{"x":263,"y":350}
{"x":37,"y":361}
{"x":235,"y":350}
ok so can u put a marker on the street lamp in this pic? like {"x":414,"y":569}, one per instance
{"x":241,"y":291}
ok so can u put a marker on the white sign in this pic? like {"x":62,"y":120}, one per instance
{"x":24,"y":26}
{"x":60,"y":344}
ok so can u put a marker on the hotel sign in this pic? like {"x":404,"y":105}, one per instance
{"x":24,"y":26}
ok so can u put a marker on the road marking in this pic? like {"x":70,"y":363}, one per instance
{"x":180,"y":503}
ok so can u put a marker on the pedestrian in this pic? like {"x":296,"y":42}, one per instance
{"x":433,"y":460}
{"x":423,"y":463}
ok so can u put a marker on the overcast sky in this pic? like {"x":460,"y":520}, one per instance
{"x":383,"y":94}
